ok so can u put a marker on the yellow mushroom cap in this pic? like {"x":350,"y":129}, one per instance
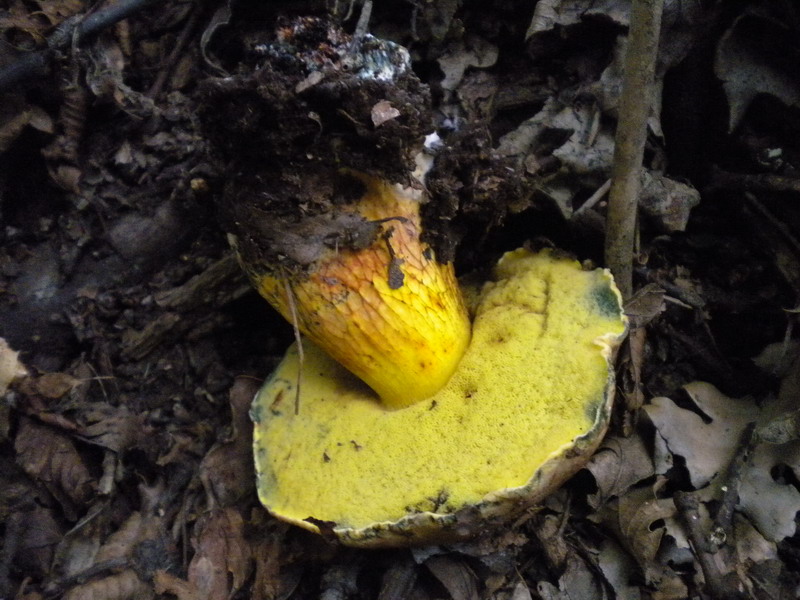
{"x":528,"y":403}
{"x":388,"y":312}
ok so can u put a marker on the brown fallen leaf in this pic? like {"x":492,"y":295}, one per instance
{"x":36,"y":406}
{"x":274,"y":578}
{"x":398,"y":580}
{"x":119,"y":586}
{"x":645,"y":305}
{"x":227,"y":470}
{"x":32,"y":595}
{"x":136,"y":529}
{"x":459,"y":580}
{"x":49,"y":385}
{"x":50,"y":457}
{"x":114,"y":427}
{"x":39,"y":535}
{"x":635,"y":517}
{"x":618,"y":464}
{"x":639,"y":511}
{"x":577,"y":581}
{"x":383,"y":111}
{"x":167,"y":583}
{"x":618,"y":569}
{"x":223,"y":559}
{"x":129,"y":557}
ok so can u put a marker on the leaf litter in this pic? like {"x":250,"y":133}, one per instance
{"x":127,"y":471}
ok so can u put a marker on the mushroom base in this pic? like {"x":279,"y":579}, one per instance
{"x":526,"y":407}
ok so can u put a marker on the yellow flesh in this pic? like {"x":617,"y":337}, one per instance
{"x":532,"y":381}
{"x":406,"y":342}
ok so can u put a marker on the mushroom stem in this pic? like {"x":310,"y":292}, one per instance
{"x":388,"y":312}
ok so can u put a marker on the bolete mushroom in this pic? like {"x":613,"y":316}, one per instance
{"x":397,"y":420}
{"x":526,"y":406}
{"x":379,"y":303}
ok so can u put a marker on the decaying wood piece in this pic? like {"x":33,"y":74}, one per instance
{"x":218,"y":285}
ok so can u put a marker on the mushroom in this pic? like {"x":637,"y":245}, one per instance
{"x":526,"y":406}
{"x":376,"y":299}
{"x":396,"y":420}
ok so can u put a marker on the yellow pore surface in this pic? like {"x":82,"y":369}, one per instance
{"x":533,"y":379}
{"x":389,"y":313}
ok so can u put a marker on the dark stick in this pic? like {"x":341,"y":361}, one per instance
{"x":35,"y":64}
{"x":718,"y":586}
{"x":177,"y":50}
{"x":723,"y":521}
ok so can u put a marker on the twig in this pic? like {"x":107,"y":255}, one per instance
{"x":753,"y":182}
{"x":784,"y":251}
{"x":723,"y":521}
{"x":363,"y":23}
{"x":779,"y":225}
{"x":174,"y":55}
{"x":593,"y":199}
{"x":718,"y":585}
{"x":687,"y":297}
{"x":218,"y":285}
{"x":634,"y":108}
{"x":73,"y":30}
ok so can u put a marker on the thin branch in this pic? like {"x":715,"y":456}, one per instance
{"x":593,"y":199}
{"x":754,"y":182}
{"x":35,"y":64}
{"x":176,"y":52}
{"x":634,"y":109}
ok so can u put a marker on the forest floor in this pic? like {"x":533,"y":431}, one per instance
{"x":134,"y":343}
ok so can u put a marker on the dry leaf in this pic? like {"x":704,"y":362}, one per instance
{"x":743,"y":65}
{"x":579,"y":580}
{"x":166,"y":583}
{"x":142,"y":545}
{"x":638,"y":511}
{"x":472,"y":52}
{"x":274,"y":579}
{"x":521,"y":592}
{"x":38,"y":536}
{"x":619,"y":570}
{"x":667,"y":202}
{"x":114,"y":427}
{"x":617,"y":465}
{"x":120,"y":544}
{"x":50,"y":457}
{"x":223,"y":558}
{"x":778,"y":358}
{"x":772,"y":505}
{"x":645,"y":305}
{"x":11,"y":368}
{"x":119,"y":586}
{"x":780,"y":417}
{"x":584,"y":152}
{"x":383,"y":111}
{"x":49,"y":385}
{"x":227,"y":470}
{"x":398,"y":581}
{"x":751,"y":546}
{"x":457,"y":578}
{"x":707,"y":447}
